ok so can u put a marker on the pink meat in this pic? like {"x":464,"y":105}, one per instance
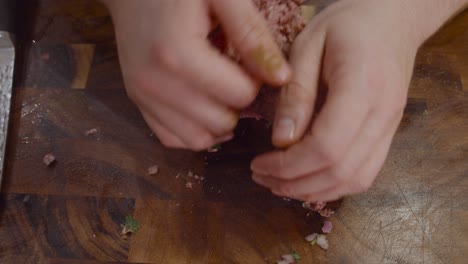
{"x":285,"y":21}
{"x":327,"y":227}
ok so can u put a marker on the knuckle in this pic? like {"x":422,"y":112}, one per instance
{"x":167,"y":56}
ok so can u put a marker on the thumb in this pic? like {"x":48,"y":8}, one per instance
{"x":296,"y":105}
{"x":248,"y":32}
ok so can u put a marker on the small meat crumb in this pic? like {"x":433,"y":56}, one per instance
{"x":188,"y":185}
{"x":45,"y":56}
{"x":190,"y":174}
{"x":153,"y":170}
{"x":327,"y":227}
{"x":326,"y":212}
{"x":92,"y":131}
{"x":48,"y":159}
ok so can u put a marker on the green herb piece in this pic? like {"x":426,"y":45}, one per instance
{"x":313,"y":242}
{"x":296,"y":255}
{"x":130,"y":225}
{"x":217,"y":147}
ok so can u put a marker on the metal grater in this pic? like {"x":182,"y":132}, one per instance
{"x":7,"y":61}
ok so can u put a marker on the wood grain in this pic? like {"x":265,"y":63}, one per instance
{"x":417,"y":211}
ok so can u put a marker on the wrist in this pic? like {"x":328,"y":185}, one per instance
{"x":430,"y":15}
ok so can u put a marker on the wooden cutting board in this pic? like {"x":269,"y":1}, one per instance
{"x":68,"y":81}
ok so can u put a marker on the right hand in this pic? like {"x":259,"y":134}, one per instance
{"x":189,"y":93}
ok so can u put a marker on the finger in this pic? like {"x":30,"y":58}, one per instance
{"x":247,"y":30}
{"x":267,"y":181}
{"x":223,"y":139}
{"x":190,"y":133}
{"x":166,"y":137}
{"x":219,"y":77}
{"x":335,"y":128}
{"x":174,"y":93}
{"x":297,"y":98}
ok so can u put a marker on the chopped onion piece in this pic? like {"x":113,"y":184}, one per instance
{"x":311,"y":237}
{"x":322,"y":241}
{"x":327,"y":227}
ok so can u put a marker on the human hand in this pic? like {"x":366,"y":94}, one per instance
{"x":363,"y":51}
{"x":188,"y":93}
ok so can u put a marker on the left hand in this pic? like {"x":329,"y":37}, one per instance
{"x":364,"y":52}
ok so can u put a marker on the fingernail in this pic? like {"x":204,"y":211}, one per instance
{"x":272,"y":62}
{"x":284,"y":129}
